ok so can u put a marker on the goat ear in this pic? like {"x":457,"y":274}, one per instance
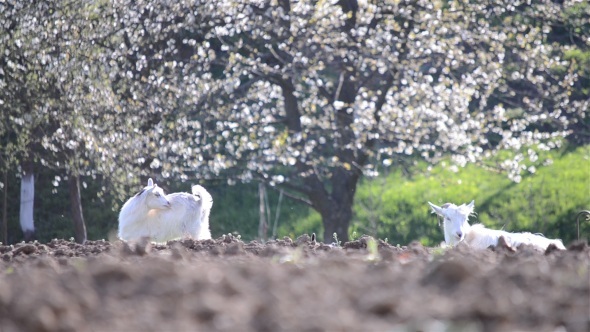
{"x":471,"y":205}
{"x":436,"y":209}
{"x":150,"y":182}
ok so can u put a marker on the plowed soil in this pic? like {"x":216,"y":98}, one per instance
{"x":290,"y":285}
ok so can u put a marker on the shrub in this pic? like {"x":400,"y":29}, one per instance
{"x":544,"y":202}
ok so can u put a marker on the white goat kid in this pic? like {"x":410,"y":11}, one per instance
{"x":456,"y":229}
{"x":151,"y":213}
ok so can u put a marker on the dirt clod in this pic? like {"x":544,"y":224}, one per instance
{"x":26,"y":249}
{"x":143,"y":246}
{"x":579,"y":245}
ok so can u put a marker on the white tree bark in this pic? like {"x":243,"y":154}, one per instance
{"x":27,"y":198}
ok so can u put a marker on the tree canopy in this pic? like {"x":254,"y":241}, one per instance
{"x":309,"y":96}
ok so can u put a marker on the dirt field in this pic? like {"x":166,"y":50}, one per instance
{"x":290,"y":285}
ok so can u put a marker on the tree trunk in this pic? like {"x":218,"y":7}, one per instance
{"x":76,"y":206}
{"x":337,"y":214}
{"x":4,"y":210}
{"x":336,"y":221}
{"x":27,"y":200}
{"x":262,"y":224}
{"x":335,"y":207}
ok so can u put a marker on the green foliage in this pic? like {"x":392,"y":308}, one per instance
{"x":236,"y":210}
{"x":13,"y":231}
{"x":309,"y":222}
{"x":235,"y":207}
{"x":545,"y":202}
{"x":580,"y":60}
{"x":576,"y":54}
{"x":52,"y":212}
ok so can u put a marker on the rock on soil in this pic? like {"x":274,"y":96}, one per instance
{"x":290,"y":285}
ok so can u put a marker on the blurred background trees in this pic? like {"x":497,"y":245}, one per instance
{"x":307,"y":97}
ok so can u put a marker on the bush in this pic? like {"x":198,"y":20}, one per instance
{"x":547,"y":201}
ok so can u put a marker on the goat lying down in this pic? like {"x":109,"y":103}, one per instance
{"x":151,"y":213}
{"x":456,"y":229}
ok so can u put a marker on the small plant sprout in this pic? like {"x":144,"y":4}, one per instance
{"x":336,"y":242}
{"x":373,"y":250}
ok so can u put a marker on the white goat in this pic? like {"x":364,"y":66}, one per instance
{"x":457,"y":228}
{"x":151,"y":213}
